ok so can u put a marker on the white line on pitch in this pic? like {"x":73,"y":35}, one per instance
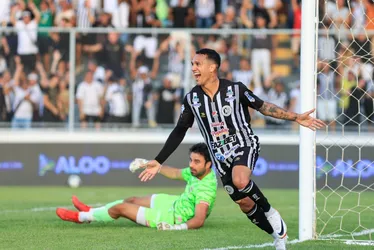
{"x":41,"y":209}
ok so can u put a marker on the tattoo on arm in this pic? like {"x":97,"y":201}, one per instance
{"x":272,"y":110}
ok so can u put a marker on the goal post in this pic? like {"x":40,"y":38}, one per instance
{"x":307,"y":156}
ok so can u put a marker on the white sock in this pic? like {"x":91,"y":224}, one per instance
{"x":270,"y":212}
{"x":86,"y":216}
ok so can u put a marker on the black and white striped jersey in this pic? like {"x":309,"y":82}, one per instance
{"x":224,"y":121}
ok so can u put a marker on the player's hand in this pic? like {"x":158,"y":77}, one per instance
{"x":308,"y":121}
{"x":151,"y":169}
{"x":164,"y":226}
{"x":136,"y":164}
{"x":167,"y":226}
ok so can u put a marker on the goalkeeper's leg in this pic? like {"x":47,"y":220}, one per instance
{"x":107,"y":213}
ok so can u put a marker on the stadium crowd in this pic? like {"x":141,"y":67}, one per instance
{"x":138,"y":79}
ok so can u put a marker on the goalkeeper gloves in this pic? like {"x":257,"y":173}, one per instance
{"x":167,"y":226}
{"x":135,"y":164}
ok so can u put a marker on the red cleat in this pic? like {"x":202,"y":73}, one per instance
{"x":80,"y":205}
{"x":68,"y":215}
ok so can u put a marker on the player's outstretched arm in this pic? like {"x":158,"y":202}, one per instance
{"x":304,"y":119}
{"x":168,"y":172}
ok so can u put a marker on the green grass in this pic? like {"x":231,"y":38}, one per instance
{"x":21,"y":228}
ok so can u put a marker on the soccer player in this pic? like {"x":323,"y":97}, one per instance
{"x":220,"y":108}
{"x":166,"y":212}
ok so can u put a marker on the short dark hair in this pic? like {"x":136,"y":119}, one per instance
{"x":211,"y":54}
{"x":202,"y":149}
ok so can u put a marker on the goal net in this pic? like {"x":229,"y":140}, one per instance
{"x":345,"y":149}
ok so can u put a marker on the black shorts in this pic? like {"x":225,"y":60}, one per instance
{"x":91,"y":118}
{"x":243,"y":156}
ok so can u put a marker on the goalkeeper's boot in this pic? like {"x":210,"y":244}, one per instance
{"x":68,"y":215}
{"x":80,"y":206}
{"x":278,"y":224}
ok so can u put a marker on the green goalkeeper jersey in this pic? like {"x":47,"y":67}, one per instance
{"x":196,"y":192}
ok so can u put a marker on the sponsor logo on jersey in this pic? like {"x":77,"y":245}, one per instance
{"x":249,"y":97}
{"x":227,"y":154}
{"x":217,"y":124}
{"x":219,"y":156}
{"x":202,"y":115}
{"x":220,"y":143}
{"x":226,"y":110}
{"x":230,"y":95}
{"x":195,"y":101}
{"x":220,"y":132}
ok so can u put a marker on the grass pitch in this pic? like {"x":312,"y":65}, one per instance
{"x":28,"y":221}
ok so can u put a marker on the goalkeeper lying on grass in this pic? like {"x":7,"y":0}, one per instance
{"x":166,"y":212}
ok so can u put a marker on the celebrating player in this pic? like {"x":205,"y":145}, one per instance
{"x":220,"y":108}
{"x":166,"y":212}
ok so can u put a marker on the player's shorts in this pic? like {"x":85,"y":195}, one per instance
{"x":243,"y":156}
{"x":161,"y":210}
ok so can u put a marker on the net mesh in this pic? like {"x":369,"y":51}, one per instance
{"x":345,"y":150}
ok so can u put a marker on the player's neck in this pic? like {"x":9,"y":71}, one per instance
{"x":211,"y":87}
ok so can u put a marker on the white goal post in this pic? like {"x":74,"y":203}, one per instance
{"x":307,"y":166}
{"x":336,"y":164}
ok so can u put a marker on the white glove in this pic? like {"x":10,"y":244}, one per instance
{"x":167,"y":226}
{"x":135,"y":164}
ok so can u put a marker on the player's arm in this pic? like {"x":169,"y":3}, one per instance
{"x":273,"y":110}
{"x":201,"y":210}
{"x":251,"y":100}
{"x":175,"y":138}
{"x":171,"y":173}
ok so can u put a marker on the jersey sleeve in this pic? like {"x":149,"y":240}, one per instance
{"x":249,"y":99}
{"x":206,"y":193}
{"x":186,"y":117}
{"x":186,"y":174}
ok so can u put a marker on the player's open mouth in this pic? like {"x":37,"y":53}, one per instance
{"x":197,"y":76}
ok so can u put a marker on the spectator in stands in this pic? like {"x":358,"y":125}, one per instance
{"x":269,"y":16}
{"x":121,"y":17}
{"x":278,"y":96}
{"x":246,"y":14}
{"x":64,"y":11}
{"x":63,"y":99}
{"x":353,"y":113}
{"x":116,"y":96}
{"x":47,"y":10}
{"x":205,"y":10}
{"x":339,"y":14}
{"x":25,"y":100}
{"x":113,"y":49}
{"x":327,"y":105}
{"x":6,"y":83}
{"x":296,"y":38}
{"x":178,"y":14}
{"x":261,"y":46}
{"x":97,"y":70}
{"x":167,"y":98}
{"x":61,"y":43}
{"x":90,"y":101}
{"x":225,"y":70}
{"x":347,"y":85}
{"x":3,"y":100}
{"x":27,"y":48}
{"x":5,"y":7}
{"x":244,"y":73}
{"x":142,"y":101}
{"x":226,"y":20}
{"x":146,"y":43}
{"x":85,"y":16}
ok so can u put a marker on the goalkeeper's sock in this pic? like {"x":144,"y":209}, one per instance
{"x":98,"y":214}
{"x":257,"y":216}
{"x":256,"y":195}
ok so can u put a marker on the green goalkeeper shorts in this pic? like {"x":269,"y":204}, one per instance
{"x":161,"y":210}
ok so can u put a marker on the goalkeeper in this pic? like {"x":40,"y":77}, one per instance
{"x":165,"y":212}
